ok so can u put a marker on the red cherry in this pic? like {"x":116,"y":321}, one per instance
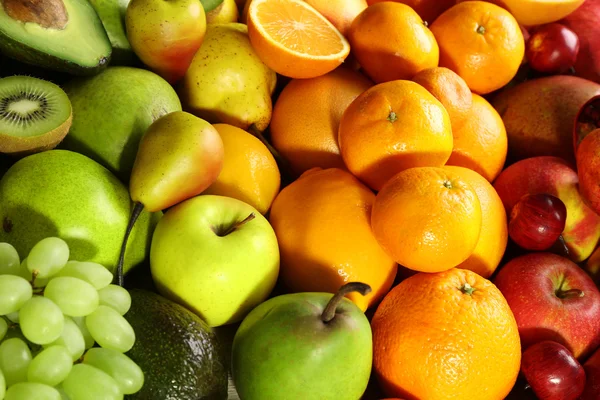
{"x":537,"y":221}
{"x":552,"y":371}
{"x":552,"y":48}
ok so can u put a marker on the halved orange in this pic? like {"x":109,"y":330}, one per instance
{"x":293,"y":39}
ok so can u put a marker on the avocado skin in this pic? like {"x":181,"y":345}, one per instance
{"x":180,"y":355}
{"x":21,"y":52}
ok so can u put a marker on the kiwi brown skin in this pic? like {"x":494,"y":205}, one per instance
{"x":24,"y":146}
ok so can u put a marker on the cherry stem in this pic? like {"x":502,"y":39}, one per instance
{"x":135,"y":213}
{"x":563,"y":245}
{"x":284,"y":165}
{"x":238,"y":224}
{"x":331,"y":308}
{"x":569,"y":294}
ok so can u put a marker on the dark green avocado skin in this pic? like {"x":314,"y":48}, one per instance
{"x":31,"y":56}
{"x":180,"y":355}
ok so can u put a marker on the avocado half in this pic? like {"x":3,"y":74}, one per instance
{"x":61,"y":35}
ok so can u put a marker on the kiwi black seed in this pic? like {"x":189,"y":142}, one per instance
{"x":35,"y":115}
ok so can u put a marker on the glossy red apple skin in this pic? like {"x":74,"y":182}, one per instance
{"x":530,"y":283}
{"x":552,"y":371}
{"x":588,"y":169}
{"x":592,"y":373}
{"x":552,"y":48}
{"x":584,"y":22}
{"x":586,"y":121}
{"x":537,"y":221}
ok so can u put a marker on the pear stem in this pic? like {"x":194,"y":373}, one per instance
{"x":284,"y":165}
{"x":135,"y":213}
{"x":329,"y":311}
{"x":233,"y":227}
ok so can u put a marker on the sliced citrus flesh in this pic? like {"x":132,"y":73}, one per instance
{"x":293,"y":39}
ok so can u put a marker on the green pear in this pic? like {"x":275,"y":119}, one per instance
{"x":68,"y":195}
{"x":309,"y":346}
{"x":112,"y":15}
{"x":227,"y":82}
{"x":112,"y":111}
{"x":179,"y":157}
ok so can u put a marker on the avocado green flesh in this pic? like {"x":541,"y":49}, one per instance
{"x":82,"y":42}
{"x":181,"y":357}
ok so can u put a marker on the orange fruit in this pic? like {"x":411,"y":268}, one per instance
{"x":306,"y":118}
{"x":391,"y":127}
{"x":538,"y":12}
{"x":429,"y":10}
{"x":481,"y":42}
{"x":390,"y":41}
{"x":494,"y":229}
{"x":427,"y":219}
{"x":449,"y":88}
{"x":322,"y":223}
{"x":448,"y":335}
{"x":294,"y":39}
{"x":340,"y":13}
{"x":480,"y":141}
{"x":249,"y":173}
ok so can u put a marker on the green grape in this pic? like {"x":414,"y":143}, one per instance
{"x":63,"y":395}
{"x":15,"y":357}
{"x":51,"y":366}
{"x":2,"y":385}
{"x":3,"y":329}
{"x":124,"y":371}
{"x":89,"y":383}
{"x":26,"y":274}
{"x":87,"y":337}
{"x":48,"y":256}
{"x":9,"y":260}
{"x":75,"y":297}
{"x":41,"y":320}
{"x":72,"y":339}
{"x":30,"y":391}
{"x":93,"y":273}
{"x":13,"y":317}
{"x":109,"y":329}
{"x":14,"y":292}
{"x":115,"y":297}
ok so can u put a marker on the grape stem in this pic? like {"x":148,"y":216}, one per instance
{"x":135,"y":213}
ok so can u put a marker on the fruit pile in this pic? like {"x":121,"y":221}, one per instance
{"x":299,"y":199}
{"x":53,"y":311}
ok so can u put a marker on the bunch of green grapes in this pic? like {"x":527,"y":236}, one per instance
{"x":62,"y":330}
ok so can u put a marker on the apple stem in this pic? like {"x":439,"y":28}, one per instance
{"x":569,"y":294}
{"x":563,"y":245}
{"x":135,"y":213}
{"x":331,"y":308}
{"x":284,"y":165}
{"x":238,"y":224}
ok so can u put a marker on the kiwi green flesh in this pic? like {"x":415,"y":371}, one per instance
{"x":35,"y":115}
{"x":31,"y":107}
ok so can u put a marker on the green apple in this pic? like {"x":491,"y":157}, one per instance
{"x":304,"y":346}
{"x":215,"y":255}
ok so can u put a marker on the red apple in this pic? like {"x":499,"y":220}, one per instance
{"x":552,"y":371}
{"x":537,"y":221}
{"x":552,"y":48}
{"x":555,"y":176}
{"x":552,"y":299}
{"x":592,"y":266}
{"x":592,"y":372}
{"x":586,"y":121}
{"x":588,"y":169}
{"x":584,"y":22}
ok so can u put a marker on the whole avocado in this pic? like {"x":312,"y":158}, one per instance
{"x":180,"y":355}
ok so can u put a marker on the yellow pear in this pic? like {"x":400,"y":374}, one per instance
{"x":225,"y":12}
{"x":227,"y":82}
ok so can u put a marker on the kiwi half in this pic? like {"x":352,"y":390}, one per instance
{"x":35,"y":115}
